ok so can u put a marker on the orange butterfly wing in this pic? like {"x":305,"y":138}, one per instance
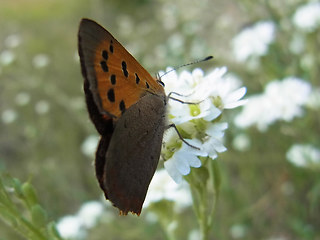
{"x":116,"y":79}
{"x":116,"y":82}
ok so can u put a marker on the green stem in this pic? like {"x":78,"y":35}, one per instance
{"x":165,"y":223}
{"x":215,"y":178}
{"x":200,"y":207}
{"x":205,"y":185}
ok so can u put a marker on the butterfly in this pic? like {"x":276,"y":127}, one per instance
{"x":128,"y":108}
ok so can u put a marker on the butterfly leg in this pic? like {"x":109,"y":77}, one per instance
{"x":179,"y":100}
{"x":175,"y":128}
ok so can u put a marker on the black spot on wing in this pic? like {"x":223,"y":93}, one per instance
{"x":113,"y":79}
{"x":124,"y":69}
{"x":105,"y":55}
{"x":122,"y":106}
{"x":104,"y":66}
{"x":111,"y":46}
{"x":111,"y":95}
{"x":137,"y":79}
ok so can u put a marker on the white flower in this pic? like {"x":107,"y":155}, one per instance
{"x":226,"y":89}
{"x":41,"y":60}
{"x":90,"y":212}
{"x":241,"y":142}
{"x":22,"y":98}
{"x":42,"y":107}
{"x":253,"y":41}
{"x":75,"y":226}
{"x":288,"y":96}
{"x":281,"y":100}
{"x":180,"y":162}
{"x":12,"y":41}
{"x":307,"y":17}
{"x":89,"y":145}
{"x":304,"y":155}
{"x":9,"y":116}
{"x":7,"y":57}
{"x":183,"y":113}
{"x":163,"y":187}
{"x":70,"y":227}
{"x":211,"y":94}
{"x":212,"y":144}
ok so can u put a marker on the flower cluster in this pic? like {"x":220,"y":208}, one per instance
{"x":75,"y":226}
{"x":198,"y":122}
{"x":253,"y":41}
{"x":304,"y":155}
{"x":307,"y":17}
{"x":281,"y":100}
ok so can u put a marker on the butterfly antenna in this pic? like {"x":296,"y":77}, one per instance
{"x":187,"y":64}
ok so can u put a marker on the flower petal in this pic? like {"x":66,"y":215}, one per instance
{"x":213,"y":113}
{"x":181,"y":162}
{"x":194,"y":161}
{"x":235,"y":104}
{"x":232,"y":100}
{"x":172,"y":170}
{"x":194,"y":151}
{"x":217,"y":130}
{"x":212,"y":146}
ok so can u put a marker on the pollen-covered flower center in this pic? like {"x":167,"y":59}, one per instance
{"x":217,"y":101}
{"x":171,"y":147}
{"x":194,"y":110}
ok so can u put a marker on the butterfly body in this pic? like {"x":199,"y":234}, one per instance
{"x":128,"y":109}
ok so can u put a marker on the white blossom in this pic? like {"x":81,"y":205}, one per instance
{"x":12,"y":41}
{"x":254,"y":40}
{"x":241,"y":142}
{"x":40,"y":60}
{"x":281,"y":100}
{"x":182,"y":159}
{"x":304,"y":155}
{"x":211,"y":94}
{"x":70,"y":227}
{"x":75,"y":226}
{"x":7,"y":57}
{"x":22,"y":98}
{"x":42,"y":107}
{"x":89,"y":145}
{"x":9,"y":116}
{"x":307,"y":17}
{"x":90,"y":212}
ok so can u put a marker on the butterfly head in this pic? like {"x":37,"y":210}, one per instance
{"x":159,"y":81}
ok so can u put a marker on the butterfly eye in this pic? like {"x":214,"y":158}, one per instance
{"x":160,"y":82}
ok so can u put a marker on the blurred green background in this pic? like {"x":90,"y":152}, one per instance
{"x":44,"y":122}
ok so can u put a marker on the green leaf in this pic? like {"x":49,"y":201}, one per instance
{"x":30,"y":194}
{"x":39,"y":215}
{"x":17,"y":187}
